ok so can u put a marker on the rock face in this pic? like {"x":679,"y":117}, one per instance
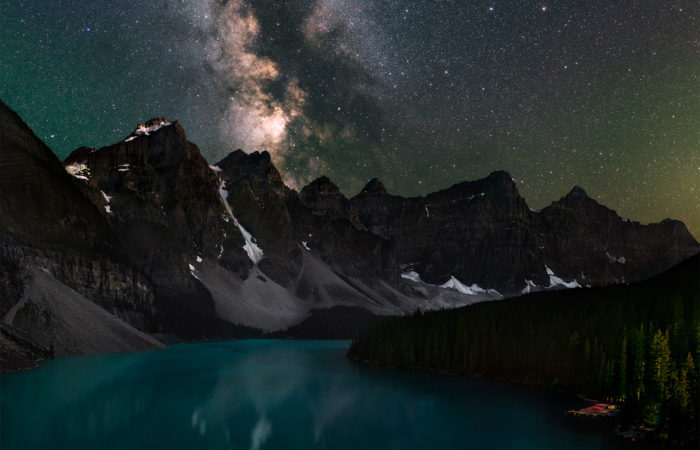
{"x":309,"y":262}
{"x":483,"y":233}
{"x":162,"y":200}
{"x":285,"y":226}
{"x":45,"y":221}
{"x":587,"y":241}
{"x":466,"y":231}
{"x":228,"y":244}
{"x":47,"y":224}
{"x":160,"y":242}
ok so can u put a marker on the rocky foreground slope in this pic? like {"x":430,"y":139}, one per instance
{"x":167,"y":245}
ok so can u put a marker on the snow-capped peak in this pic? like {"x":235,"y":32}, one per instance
{"x":149,"y":127}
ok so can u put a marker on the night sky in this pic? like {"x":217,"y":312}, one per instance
{"x":422,"y":94}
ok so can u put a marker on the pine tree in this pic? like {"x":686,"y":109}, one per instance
{"x":622,"y":371}
{"x":661,"y":354}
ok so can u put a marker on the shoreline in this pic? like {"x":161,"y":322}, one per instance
{"x":617,"y":433}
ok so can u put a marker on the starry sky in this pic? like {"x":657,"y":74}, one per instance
{"x":422,"y":94}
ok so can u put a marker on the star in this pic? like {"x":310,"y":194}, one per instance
{"x":417,"y":81}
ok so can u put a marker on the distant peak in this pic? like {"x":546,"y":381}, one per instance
{"x":500,"y":175}
{"x":674,"y":222}
{"x":322,"y":180}
{"x":239,"y":157}
{"x":254,"y":167}
{"x":374,"y":186}
{"x":323,"y":185}
{"x":265,"y":155}
{"x":577,"y":191}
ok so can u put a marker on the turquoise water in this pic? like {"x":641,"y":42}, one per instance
{"x":272,"y":394}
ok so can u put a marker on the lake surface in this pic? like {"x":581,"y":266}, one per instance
{"x":258,"y":394}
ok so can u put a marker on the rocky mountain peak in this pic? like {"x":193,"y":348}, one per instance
{"x":321,"y":185}
{"x":147,"y":229}
{"x":324,"y":198}
{"x":14,"y":132}
{"x":255,"y":168}
{"x":151,"y":126}
{"x":577,"y":191}
{"x":578,"y":200}
{"x":501,"y":181}
{"x":500,"y":176}
{"x":374,"y":186}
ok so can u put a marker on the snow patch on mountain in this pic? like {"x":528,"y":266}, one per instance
{"x":193,"y":271}
{"x":453,"y":284}
{"x":108,"y":198}
{"x":616,"y":259}
{"x":474,"y":289}
{"x":79,"y":170}
{"x":440,"y":302}
{"x":529,"y":286}
{"x":412,"y":275}
{"x":555,"y":281}
{"x":254,"y":252}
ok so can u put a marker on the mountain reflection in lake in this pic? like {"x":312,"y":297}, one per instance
{"x":261,"y":394}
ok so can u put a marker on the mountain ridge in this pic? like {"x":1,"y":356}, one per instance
{"x":210,"y":251}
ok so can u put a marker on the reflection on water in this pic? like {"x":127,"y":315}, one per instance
{"x":270,"y":394}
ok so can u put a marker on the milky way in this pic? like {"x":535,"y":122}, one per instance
{"x":423,"y":94}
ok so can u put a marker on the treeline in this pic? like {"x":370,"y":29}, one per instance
{"x":637,"y":345}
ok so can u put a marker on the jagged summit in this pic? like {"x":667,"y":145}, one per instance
{"x":322,"y":185}
{"x":578,"y":200}
{"x":500,"y":175}
{"x":260,"y":160}
{"x":500,"y":180}
{"x":577,"y":191}
{"x":151,"y":126}
{"x":374,"y":186}
{"x":150,"y":231}
{"x":497,"y":185}
{"x":324,"y":198}
{"x":256,"y":167}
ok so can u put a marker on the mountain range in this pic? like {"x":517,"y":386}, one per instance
{"x":143,"y":241}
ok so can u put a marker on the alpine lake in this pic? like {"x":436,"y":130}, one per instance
{"x":275,"y":394}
